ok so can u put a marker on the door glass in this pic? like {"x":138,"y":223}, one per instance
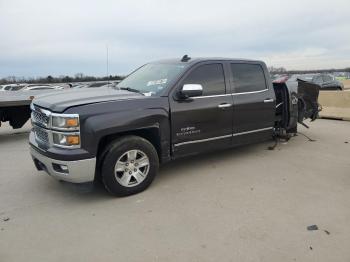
{"x":16,"y":88}
{"x":326,"y":78}
{"x":42,"y":88}
{"x":318,"y":80}
{"x":248,"y":78}
{"x":211,"y":77}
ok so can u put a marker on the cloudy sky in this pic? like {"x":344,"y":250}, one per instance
{"x":42,"y":37}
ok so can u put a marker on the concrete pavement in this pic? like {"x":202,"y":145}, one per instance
{"x":243,"y":204}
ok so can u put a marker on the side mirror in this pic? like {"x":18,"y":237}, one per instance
{"x":191,"y":90}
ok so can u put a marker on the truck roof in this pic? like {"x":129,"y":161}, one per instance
{"x":205,"y":59}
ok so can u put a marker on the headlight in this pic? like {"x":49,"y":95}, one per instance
{"x":65,"y":130}
{"x":66,"y":140}
{"x":65,"y":121}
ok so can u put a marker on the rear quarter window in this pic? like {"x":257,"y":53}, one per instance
{"x":248,"y":78}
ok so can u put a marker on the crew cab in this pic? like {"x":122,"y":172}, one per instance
{"x":162,"y":111}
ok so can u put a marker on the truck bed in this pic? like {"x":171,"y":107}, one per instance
{"x":12,"y":98}
{"x":15,"y":106}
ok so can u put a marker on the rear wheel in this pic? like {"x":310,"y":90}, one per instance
{"x":130,"y":165}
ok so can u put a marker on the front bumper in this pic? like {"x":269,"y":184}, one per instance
{"x":79,"y":171}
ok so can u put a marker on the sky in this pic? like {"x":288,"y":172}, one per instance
{"x":64,"y":37}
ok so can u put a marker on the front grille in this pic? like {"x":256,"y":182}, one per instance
{"x":40,"y":117}
{"x":43,"y":130}
{"x":41,"y":134}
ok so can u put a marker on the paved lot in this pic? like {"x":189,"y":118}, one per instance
{"x":245,"y":204}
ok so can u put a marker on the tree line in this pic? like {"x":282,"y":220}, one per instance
{"x":79,"y":77}
{"x":282,"y":70}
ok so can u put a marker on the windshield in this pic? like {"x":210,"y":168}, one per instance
{"x":151,"y":79}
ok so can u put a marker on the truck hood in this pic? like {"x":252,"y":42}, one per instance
{"x":59,"y":102}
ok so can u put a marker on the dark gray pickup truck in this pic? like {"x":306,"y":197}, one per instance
{"x":162,"y":111}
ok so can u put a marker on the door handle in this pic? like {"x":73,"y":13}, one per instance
{"x":224,"y":105}
{"x":269,"y":100}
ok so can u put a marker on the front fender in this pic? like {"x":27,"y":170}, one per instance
{"x":97,"y":126}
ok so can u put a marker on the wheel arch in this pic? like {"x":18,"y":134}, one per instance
{"x":151,"y":134}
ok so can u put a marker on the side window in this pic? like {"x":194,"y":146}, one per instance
{"x":16,"y":88}
{"x":327,"y":78}
{"x":42,"y":88}
{"x":318,"y":80}
{"x":248,"y":78}
{"x":211,"y":77}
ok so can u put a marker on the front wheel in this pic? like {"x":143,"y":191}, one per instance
{"x":130,"y":165}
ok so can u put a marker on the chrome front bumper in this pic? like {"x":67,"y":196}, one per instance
{"x":80,"y":171}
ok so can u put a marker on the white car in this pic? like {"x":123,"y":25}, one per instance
{"x":41,"y":87}
{"x":12,"y":87}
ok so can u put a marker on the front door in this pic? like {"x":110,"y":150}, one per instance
{"x":202,"y":123}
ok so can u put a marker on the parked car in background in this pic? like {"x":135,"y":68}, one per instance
{"x":5,"y":87}
{"x":29,"y":87}
{"x":12,"y":87}
{"x":101,"y":84}
{"x":42,"y":87}
{"x":76,"y":86}
{"x":325,"y":81}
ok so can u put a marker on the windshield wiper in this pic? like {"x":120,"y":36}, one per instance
{"x":131,"y":90}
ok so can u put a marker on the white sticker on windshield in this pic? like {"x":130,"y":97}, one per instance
{"x":157,"y":82}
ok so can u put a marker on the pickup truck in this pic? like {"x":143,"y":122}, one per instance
{"x":162,"y":111}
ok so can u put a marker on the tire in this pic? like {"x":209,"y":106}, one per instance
{"x":129,"y":166}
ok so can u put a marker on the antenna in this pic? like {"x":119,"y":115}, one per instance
{"x":107,"y":63}
{"x":185,"y":58}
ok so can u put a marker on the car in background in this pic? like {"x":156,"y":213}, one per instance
{"x":41,"y":87}
{"x":12,"y":87}
{"x":5,"y":87}
{"x":29,"y":87}
{"x":325,"y":81}
{"x":96,"y":84}
{"x":101,"y":84}
{"x":76,"y":86}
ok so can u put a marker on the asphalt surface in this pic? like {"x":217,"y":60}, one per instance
{"x":243,"y":204}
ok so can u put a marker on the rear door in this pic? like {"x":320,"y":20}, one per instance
{"x":253,"y":103}
{"x":202,"y":123}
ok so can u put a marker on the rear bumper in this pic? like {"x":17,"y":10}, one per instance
{"x":79,"y":171}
